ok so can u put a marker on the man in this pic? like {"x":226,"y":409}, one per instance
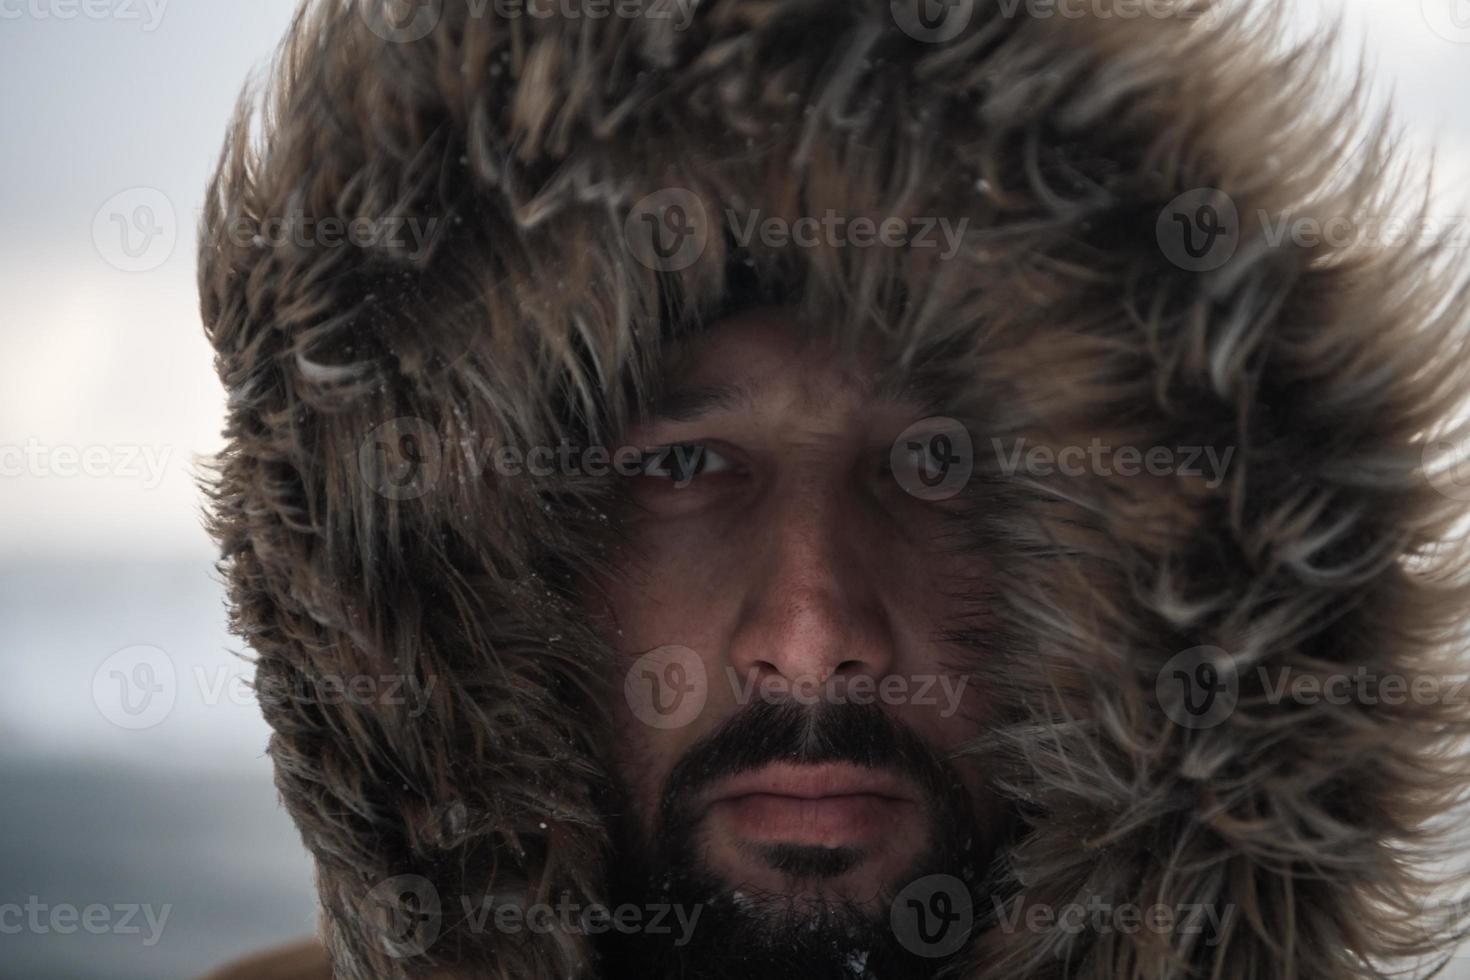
{"x":836,"y":489}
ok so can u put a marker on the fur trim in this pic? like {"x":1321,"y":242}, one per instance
{"x":527,"y":319}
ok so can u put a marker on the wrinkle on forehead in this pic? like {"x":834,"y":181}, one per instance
{"x":733,"y":363}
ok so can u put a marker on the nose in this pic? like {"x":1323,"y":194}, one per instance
{"x":812,"y":607}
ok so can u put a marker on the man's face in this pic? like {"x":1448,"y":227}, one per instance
{"x":783,"y":602}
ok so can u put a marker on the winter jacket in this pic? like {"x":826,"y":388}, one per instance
{"x":1129,"y":273}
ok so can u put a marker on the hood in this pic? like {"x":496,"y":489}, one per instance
{"x":1092,"y":164}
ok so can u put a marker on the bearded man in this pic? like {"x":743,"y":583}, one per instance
{"x":837,"y":489}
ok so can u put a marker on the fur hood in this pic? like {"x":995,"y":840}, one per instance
{"x":1077,"y":158}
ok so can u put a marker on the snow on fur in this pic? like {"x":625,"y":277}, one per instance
{"x":527,"y":319}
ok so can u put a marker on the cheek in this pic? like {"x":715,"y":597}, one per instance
{"x":666,"y":591}
{"x":941,"y":623}
{"x":939,"y":607}
{"x":922,"y":564}
{"x":672,"y":581}
{"x":642,"y":760}
{"x":668,"y":688}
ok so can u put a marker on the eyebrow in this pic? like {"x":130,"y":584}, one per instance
{"x":688,"y":403}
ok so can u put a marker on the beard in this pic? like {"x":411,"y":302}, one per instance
{"x":743,"y":933}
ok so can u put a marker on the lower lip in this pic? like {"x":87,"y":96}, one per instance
{"x":828,"y":821}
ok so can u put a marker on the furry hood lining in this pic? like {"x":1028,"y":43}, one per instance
{"x":529,"y":314}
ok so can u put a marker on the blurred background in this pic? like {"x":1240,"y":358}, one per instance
{"x":132,"y":766}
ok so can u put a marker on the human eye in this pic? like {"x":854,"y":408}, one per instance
{"x":680,"y":462}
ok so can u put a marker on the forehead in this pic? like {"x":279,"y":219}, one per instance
{"x":769,"y":360}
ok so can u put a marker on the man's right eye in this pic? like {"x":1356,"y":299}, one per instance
{"x":681,"y":462}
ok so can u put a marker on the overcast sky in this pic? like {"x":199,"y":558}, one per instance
{"x":113,"y":363}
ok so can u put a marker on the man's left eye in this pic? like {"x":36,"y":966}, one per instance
{"x":683,"y":461}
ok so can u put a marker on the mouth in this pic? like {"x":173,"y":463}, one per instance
{"x":829,"y":805}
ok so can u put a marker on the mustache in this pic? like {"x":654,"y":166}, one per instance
{"x":769,"y":732}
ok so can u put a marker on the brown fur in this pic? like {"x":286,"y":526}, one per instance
{"x":530,"y":139}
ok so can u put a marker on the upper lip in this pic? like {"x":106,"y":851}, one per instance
{"x":813,"y":782}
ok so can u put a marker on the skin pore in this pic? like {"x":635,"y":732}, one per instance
{"x":818,"y":774}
